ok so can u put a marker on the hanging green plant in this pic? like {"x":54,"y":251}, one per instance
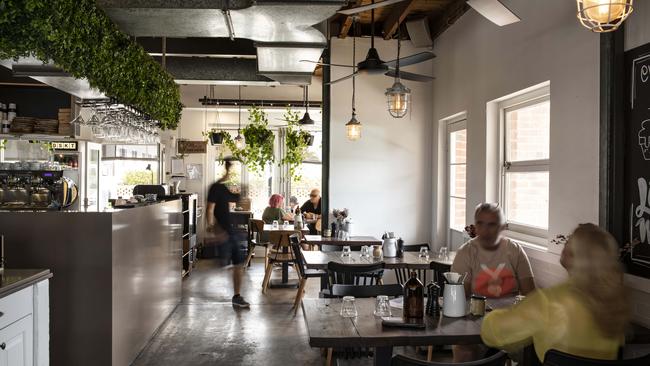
{"x":78,"y":37}
{"x":297,"y":141}
{"x":215,"y":137}
{"x":258,"y":151}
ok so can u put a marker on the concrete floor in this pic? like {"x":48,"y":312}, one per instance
{"x":206,"y":330}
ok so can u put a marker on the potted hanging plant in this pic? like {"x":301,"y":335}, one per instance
{"x":215,"y":137}
{"x":257,"y":150}
{"x":297,"y":141}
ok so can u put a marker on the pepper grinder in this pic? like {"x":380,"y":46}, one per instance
{"x":2,"y":254}
{"x":433,"y":292}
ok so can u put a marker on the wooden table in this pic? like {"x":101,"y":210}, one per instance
{"x":328,"y":329}
{"x":286,"y":232}
{"x":353,"y":241}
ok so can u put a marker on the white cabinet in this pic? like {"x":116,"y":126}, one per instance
{"x":17,"y":343}
{"x":24,"y":327}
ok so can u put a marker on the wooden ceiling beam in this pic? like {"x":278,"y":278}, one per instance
{"x":439,"y":23}
{"x":396,"y":17}
{"x":346,"y":21}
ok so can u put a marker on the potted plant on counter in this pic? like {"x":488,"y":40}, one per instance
{"x":257,"y":152}
{"x":297,"y":141}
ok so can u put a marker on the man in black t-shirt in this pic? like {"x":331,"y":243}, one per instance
{"x":311,"y":208}
{"x":219,"y":228}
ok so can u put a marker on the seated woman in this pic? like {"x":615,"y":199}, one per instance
{"x":275,"y":211}
{"x":585,"y":316}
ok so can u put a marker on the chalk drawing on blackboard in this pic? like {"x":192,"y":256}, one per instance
{"x":644,"y":76}
{"x":641,"y":214}
{"x":644,"y":139}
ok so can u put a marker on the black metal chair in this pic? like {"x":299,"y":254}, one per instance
{"x":557,"y":358}
{"x":498,"y":359}
{"x":255,"y":230}
{"x":303,"y":272}
{"x":424,"y":275}
{"x":355,"y":274}
{"x":392,"y":290}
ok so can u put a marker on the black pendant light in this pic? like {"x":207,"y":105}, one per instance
{"x":306,"y":120}
{"x":240,"y":143}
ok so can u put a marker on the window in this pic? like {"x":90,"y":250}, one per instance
{"x":525,"y":156}
{"x":457,"y":175}
{"x":311,"y":171}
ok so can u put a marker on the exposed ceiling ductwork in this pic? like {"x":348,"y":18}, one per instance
{"x":284,"y":32}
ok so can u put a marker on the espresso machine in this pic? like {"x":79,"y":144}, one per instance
{"x":36,"y":190}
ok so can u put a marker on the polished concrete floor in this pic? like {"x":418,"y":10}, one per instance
{"x":206,"y":330}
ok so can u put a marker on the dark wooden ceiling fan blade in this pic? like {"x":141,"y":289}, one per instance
{"x":323,"y":64}
{"x":363,"y":8}
{"x":341,"y":79}
{"x":411,"y":60}
{"x":410,"y":76}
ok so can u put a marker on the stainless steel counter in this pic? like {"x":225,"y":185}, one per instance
{"x":117,"y":276}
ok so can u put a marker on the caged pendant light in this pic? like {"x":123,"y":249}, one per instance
{"x":603,"y":16}
{"x":240,"y":143}
{"x":398,"y":95}
{"x":353,"y":127}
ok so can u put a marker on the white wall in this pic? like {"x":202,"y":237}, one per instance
{"x":384,"y":178}
{"x":479,"y":62}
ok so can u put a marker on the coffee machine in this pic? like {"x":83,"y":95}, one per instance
{"x":36,"y":190}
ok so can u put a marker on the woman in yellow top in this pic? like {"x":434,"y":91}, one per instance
{"x":584,"y":316}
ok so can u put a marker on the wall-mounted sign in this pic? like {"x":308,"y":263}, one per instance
{"x":65,"y":145}
{"x":191,"y":147}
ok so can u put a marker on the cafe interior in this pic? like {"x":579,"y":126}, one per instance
{"x":326,"y":182}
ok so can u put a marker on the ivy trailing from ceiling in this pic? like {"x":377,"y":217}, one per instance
{"x":296,"y":144}
{"x":258,"y":151}
{"x":78,"y":37}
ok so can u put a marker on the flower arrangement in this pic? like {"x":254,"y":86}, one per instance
{"x":560,"y":239}
{"x":471,"y":231}
{"x":340,"y":215}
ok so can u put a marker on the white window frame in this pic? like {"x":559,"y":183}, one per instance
{"x":528,"y":233}
{"x":453,"y":125}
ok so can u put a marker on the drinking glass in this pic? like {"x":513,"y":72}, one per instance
{"x":424,"y":253}
{"x":365,"y":251}
{"x":348,"y":307}
{"x":276,"y":224}
{"x":346,"y":251}
{"x":285,"y":223}
{"x":382,"y":306}
{"x":444,"y":253}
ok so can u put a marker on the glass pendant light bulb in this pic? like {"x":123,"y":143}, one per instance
{"x":603,"y":15}
{"x":239,"y":141}
{"x":353,"y":129}
{"x":399,"y":98}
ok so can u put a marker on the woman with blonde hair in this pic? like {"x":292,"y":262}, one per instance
{"x":584,"y":316}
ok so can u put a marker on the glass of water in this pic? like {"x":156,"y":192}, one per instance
{"x":424,"y":253}
{"x":348,"y":307}
{"x":365,"y":251}
{"x":444,"y":253}
{"x":276,"y":224}
{"x":382,"y":306}
{"x":346,"y":251}
{"x":285,"y":224}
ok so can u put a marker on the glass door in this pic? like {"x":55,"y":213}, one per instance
{"x":93,"y":158}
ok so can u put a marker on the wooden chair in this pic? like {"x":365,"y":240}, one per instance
{"x":498,"y":359}
{"x":303,"y":272}
{"x":424,"y":275}
{"x":280,"y":253}
{"x":392,"y":290}
{"x":557,"y":358}
{"x":255,"y":229}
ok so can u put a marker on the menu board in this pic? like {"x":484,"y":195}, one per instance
{"x":636,"y":247}
{"x":191,"y":147}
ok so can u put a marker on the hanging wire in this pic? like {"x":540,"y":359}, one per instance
{"x":354,"y":61}
{"x":399,"y":46}
{"x":239,"y":110}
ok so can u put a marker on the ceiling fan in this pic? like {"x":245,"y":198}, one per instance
{"x":373,"y":64}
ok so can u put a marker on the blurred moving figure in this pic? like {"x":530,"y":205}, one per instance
{"x":585,"y":316}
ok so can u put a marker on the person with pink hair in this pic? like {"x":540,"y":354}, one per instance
{"x":275,"y":211}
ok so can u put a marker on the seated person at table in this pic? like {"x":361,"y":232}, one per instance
{"x":584,"y":316}
{"x":311,"y":208}
{"x":495,"y":266}
{"x":293,"y":204}
{"x":275,"y":211}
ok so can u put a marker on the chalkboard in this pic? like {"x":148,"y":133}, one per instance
{"x":191,"y":147}
{"x":636,"y":246}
